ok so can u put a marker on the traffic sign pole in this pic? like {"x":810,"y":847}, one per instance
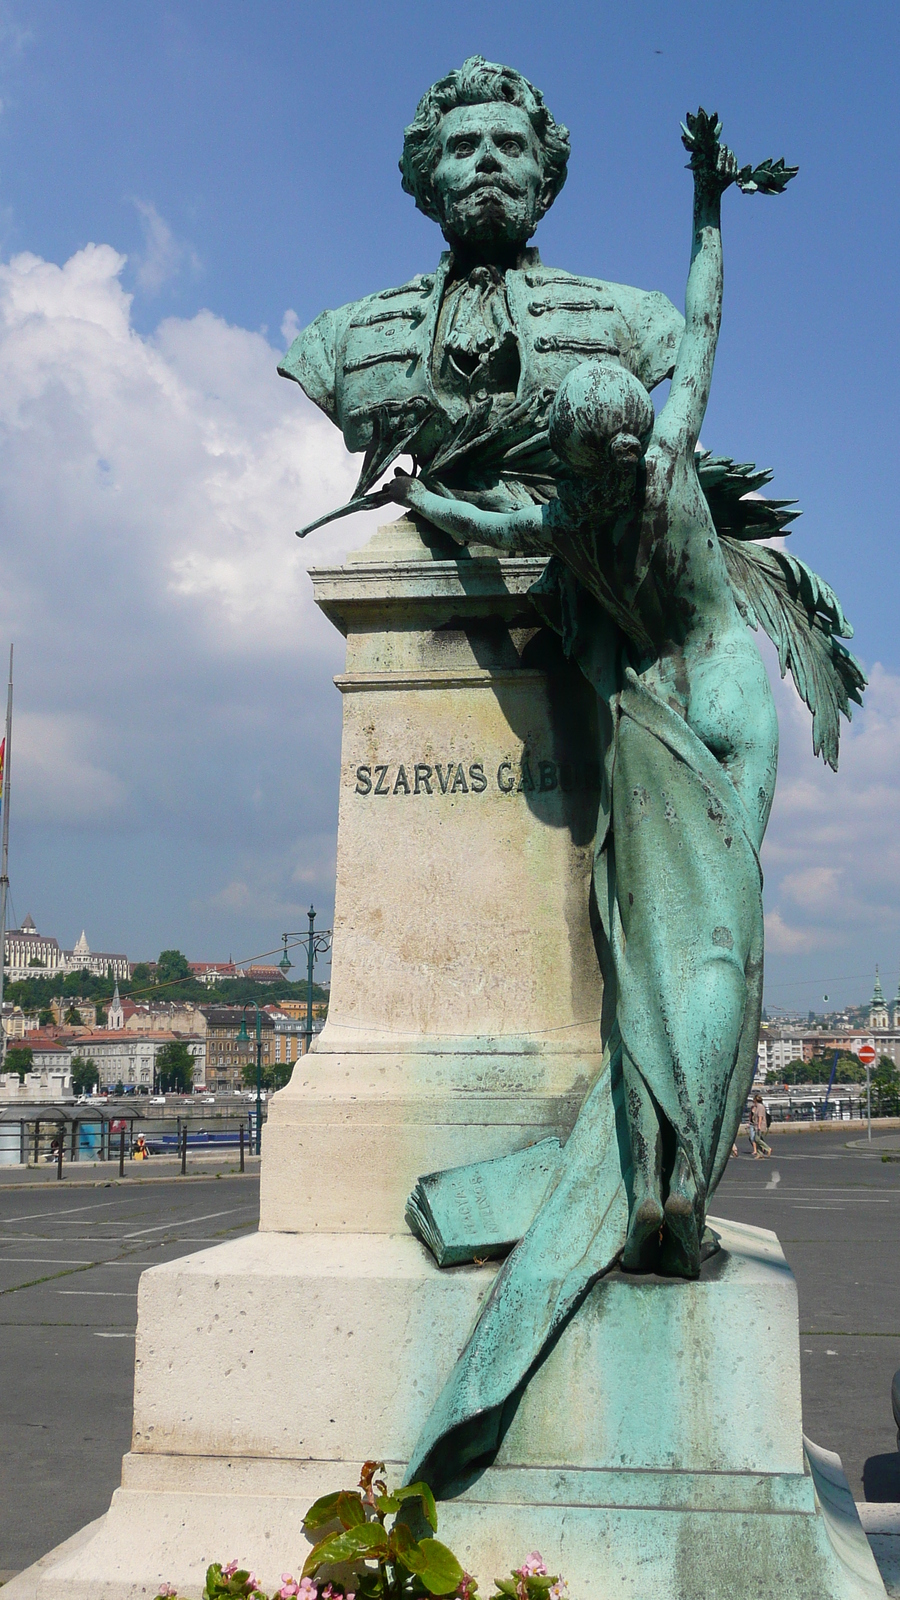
{"x":867,"y":1057}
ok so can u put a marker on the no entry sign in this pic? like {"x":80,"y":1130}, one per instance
{"x":866,"y":1055}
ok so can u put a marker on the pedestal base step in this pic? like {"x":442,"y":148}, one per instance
{"x":614,"y":1536}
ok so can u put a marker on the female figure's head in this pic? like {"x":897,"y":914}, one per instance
{"x":600,"y":422}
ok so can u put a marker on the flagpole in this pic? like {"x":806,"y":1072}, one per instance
{"x":4,"y":858}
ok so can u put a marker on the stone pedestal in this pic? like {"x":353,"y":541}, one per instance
{"x":465,"y":996}
{"x":658,"y":1450}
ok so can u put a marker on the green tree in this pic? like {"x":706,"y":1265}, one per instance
{"x":175,"y":1068}
{"x":273,"y":1077}
{"x":172,"y":966}
{"x":72,"y":1017}
{"x":885,"y":1089}
{"x":85,"y":1075}
{"x":46,"y":1018}
{"x":20,"y":1059}
{"x":795,"y":1072}
{"x":142,"y":974}
{"x":849,"y":1069}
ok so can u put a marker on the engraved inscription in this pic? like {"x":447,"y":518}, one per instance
{"x":525,"y":774}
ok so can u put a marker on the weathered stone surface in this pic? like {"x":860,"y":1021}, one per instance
{"x":465,"y":997}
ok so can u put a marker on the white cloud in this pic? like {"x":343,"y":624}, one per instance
{"x":163,"y":256}
{"x":57,"y":774}
{"x":173,"y":674}
{"x":290,"y":327}
{"x":832,"y":853}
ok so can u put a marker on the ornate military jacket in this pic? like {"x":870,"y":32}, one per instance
{"x":369,"y":366}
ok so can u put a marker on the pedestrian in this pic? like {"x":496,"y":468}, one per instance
{"x":140,"y":1150}
{"x":759,"y":1127}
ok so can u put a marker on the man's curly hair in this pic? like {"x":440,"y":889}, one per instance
{"x":477,"y":82}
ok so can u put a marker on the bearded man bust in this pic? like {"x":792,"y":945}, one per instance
{"x":458,"y":367}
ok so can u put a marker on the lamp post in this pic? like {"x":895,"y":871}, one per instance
{"x":243,"y":1037}
{"x":316,"y":945}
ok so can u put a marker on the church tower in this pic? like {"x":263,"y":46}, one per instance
{"x":115,"y":1016}
{"x":878,"y":1011}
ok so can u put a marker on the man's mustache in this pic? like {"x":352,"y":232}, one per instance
{"x":491,"y":182}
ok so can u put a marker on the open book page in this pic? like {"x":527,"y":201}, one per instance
{"x":483,"y":1209}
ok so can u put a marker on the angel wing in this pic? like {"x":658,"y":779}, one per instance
{"x":803,"y":617}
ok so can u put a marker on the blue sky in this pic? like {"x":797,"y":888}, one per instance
{"x":179,"y":734}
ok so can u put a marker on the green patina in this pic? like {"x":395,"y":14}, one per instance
{"x":522,"y":395}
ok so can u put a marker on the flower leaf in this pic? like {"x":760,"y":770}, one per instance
{"x":435,"y":1565}
{"x":400,"y":1544}
{"x":368,"y":1539}
{"x":324,"y":1510}
{"x":349,"y":1509}
{"x":420,"y":1491}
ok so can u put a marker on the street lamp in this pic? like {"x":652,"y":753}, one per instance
{"x":243,"y":1038}
{"x":316,"y":945}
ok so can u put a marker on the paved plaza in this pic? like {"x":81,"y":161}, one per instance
{"x":70,"y":1260}
{"x":71,"y":1256}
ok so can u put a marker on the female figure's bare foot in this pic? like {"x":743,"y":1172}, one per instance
{"x":680,"y":1254}
{"x":642,"y":1243}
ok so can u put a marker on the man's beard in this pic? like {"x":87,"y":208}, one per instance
{"x":490,"y":214}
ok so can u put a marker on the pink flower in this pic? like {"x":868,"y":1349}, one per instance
{"x":166,"y":1589}
{"x":533,"y":1567}
{"x":559,"y":1590}
{"x":230,"y":1570}
{"x":289,"y":1587}
{"x":252,"y":1582}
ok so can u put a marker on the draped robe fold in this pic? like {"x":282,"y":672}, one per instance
{"x":678,"y":890}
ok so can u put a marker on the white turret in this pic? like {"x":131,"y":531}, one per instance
{"x":115,"y":1016}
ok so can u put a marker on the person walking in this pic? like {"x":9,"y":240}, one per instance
{"x":759,"y":1127}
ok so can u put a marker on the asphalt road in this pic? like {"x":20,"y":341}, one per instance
{"x":70,"y":1260}
{"x":836,"y":1211}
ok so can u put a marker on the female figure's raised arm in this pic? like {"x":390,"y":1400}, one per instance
{"x":715,"y":168}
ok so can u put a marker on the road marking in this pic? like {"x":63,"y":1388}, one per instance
{"x":852,"y":1199}
{"x":774,"y":1181}
{"x":113,"y":1335}
{"x":31,"y":1216}
{"x":186,"y":1222}
{"x":105,"y":1294}
{"x":60,"y":1261}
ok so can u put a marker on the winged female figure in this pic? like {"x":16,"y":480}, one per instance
{"x":656,"y":605}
